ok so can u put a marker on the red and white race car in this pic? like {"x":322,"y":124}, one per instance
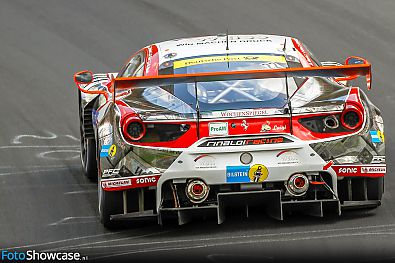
{"x":198,"y":125}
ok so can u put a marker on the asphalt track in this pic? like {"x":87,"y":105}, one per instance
{"x":47,"y":204}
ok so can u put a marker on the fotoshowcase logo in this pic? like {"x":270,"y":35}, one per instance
{"x":33,"y":255}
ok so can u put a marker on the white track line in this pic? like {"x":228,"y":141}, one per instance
{"x":65,"y":220}
{"x":61,"y":241}
{"x":80,"y":192}
{"x":81,"y":246}
{"x":34,"y":171}
{"x":17,"y":139}
{"x":37,"y":146}
{"x":238,"y":243}
{"x":106,"y":241}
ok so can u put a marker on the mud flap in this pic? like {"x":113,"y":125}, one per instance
{"x":270,"y":201}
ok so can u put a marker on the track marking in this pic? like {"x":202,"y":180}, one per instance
{"x":66,"y":220}
{"x":37,"y":146}
{"x":61,"y":241}
{"x":72,"y":137}
{"x":106,"y":241}
{"x":45,"y":154}
{"x":81,"y":246}
{"x":33,"y":172}
{"x":17,"y":139}
{"x":38,"y":166}
{"x":80,"y":192}
{"x":237,"y":243}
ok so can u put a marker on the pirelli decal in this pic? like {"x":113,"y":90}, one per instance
{"x":245,"y":142}
{"x":230,"y":58}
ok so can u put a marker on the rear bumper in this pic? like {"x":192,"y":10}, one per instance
{"x":223,"y":165}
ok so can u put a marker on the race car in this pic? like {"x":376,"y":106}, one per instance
{"x":200,"y":126}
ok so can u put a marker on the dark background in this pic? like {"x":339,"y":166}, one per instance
{"x":45,"y":201}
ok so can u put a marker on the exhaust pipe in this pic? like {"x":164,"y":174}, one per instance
{"x":197,"y":191}
{"x":331,"y":122}
{"x":297,"y":184}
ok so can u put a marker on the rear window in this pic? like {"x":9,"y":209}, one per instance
{"x":229,"y":95}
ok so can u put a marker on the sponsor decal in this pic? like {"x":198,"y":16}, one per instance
{"x":244,"y":142}
{"x":377,"y":136}
{"x":112,"y":151}
{"x":130,"y":182}
{"x":110,"y":172}
{"x":279,"y":127}
{"x":104,"y":150}
{"x":266,"y":127}
{"x":373,"y":170}
{"x":145,"y":181}
{"x":244,"y":113}
{"x":229,"y":58}
{"x":360,"y":170}
{"x":244,"y":124}
{"x":237,"y":174}
{"x":287,"y":157}
{"x":218,"y":128}
{"x":378,"y":159}
{"x":108,"y":150}
{"x":258,"y":173}
{"x":205,"y":161}
{"x":246,"y":174}
{"x":116,"y":183}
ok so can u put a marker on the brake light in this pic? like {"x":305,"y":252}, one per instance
{"x":352,"y":117}
{"x":133,"y":128}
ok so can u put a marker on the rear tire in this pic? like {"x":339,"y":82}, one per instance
{"x":375,"y":188}
{"x":88,"y":149}
{"x":110,"y":203}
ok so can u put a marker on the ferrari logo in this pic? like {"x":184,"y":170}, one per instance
{"x":258,"y":173}
{"x":244,"y":124}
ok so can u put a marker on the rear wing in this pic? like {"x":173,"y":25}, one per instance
{"x":345,"y":71}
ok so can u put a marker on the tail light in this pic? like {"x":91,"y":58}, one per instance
{"x":133,"y":128}
{"x":197,"y":191}
{"x":352,"y":117}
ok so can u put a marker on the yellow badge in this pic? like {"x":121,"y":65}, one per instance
{"x":381,"y":135}
{"x":258,"y":173}
{"x":112,"y":151}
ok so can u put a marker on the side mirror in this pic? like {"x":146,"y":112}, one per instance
{"x":353,"y":60}
{"x":83,"y":77}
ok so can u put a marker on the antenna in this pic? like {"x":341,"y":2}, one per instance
{"x":285,"y":44}
{"x":197,"y":113}
{"x":227,"y":40}
{"x":227,"y":47}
